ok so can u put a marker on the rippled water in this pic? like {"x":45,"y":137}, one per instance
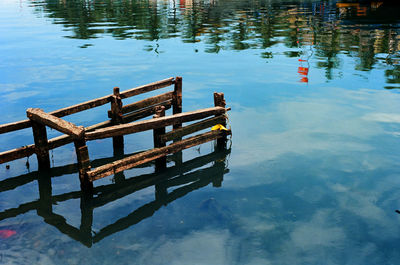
{"x":312,"y":176}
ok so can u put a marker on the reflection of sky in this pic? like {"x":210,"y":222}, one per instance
{"x":313,"y":171}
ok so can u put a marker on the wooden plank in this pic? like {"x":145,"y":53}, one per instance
{"x":140,"y":126}
{"x":143,"y":113}
{"x":52,"y":121}
{"x":81,"y":106}
{"x":15,"y":126}
{"x":66,"y":139}
{"x":152,"y":154}
{"x":147,"y":88}
{"x":17,"y":153}
{"x":145,"y":103}
{"x":195,"y":127}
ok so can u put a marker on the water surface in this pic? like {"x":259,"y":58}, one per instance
{"x":312,"y":175}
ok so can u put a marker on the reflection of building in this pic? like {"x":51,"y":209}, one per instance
{"x":183,"y":177}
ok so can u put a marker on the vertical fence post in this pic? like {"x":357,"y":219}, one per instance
{"x":116,"y":118}
{"x":177,"y":108}
{"x":161,"y":163}
{"x":219,"y":101}
{"x":82,"y":154}
{"x":41,"y":145}
{"x":177,"y":100}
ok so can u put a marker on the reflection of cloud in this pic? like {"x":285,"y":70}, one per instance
{"x":199,"y":247}
{"x":304,"y":125}
{"x":383,"y":117}
{"x":316,"y":234}
{"x":19,"y":95}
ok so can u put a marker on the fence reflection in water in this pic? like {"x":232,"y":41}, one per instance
{"x":184,"y":176}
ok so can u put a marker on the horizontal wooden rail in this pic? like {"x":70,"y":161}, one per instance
{"x":19,"y":125}
{"x":58,"y":124}
{"x":81,"y":106}
{"x":144,"y":103}
{"x":147,"y":88}
{"x":143,"y":113}
{"x":195,"y":127}
{"x":140,"y":126}
{"x":15,"y":126}
{"x":144,"y":157}
{"x":17,"y":153}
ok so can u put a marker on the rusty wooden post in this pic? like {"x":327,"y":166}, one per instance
{"x":177,"y":108}
{"x":219,"y":101}
{"x":82,"y":154}
{"x":116,"y":118}
{"x":161,"y":163}
{"x":177,"y":99}
{"x":41,"y":145}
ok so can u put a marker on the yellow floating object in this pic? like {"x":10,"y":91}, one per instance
{"x":218,"y":127}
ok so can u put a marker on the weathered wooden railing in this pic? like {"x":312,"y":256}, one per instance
{"x":122,"y":123}
{"x":116,"y":104}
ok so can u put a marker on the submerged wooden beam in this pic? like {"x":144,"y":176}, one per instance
{"x":52,"y":121}
{"x":152,"y":154}
{"x":195,"y":127}
{"x":140,"y":126}
{"x":147,"y":88}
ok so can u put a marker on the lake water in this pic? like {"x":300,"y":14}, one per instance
{"x":312,"y":175}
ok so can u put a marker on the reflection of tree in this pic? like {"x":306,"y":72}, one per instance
{"x":393,"y":76}
{"x":331,"y":28}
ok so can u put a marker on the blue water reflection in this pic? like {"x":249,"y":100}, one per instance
{"x":313,"y":170}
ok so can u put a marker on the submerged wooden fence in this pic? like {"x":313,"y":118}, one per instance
{"x":123,"y":120}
